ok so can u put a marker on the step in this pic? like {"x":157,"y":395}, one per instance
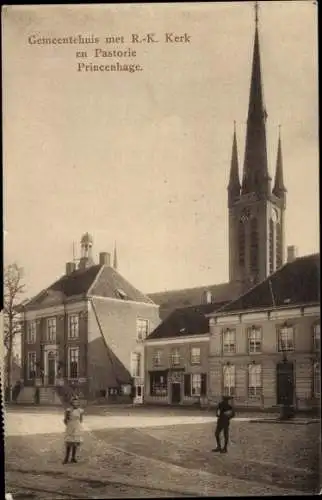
{"x":26,"y":395}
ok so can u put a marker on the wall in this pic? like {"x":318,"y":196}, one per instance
{"x":303,"y":356}
{"x":117,"y":319}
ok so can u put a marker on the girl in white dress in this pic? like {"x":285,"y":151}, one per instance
{"x":73,"y":419}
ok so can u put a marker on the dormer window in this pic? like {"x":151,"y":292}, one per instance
{"x":121,"y":294}
{"x":207,"y":297}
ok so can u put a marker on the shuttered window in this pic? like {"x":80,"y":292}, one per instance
{"x":187,"y":384}
{"x":203,"y":391}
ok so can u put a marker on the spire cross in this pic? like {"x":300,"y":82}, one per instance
{"x":256,"y":13}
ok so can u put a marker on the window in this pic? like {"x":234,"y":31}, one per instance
{"x":73,"y":326}
{"x":254,"y":340}
{"x":254,"y":380}
{"x":316,"y":337}
{"x":229,"y":341}
{"x":229,"y":380}
{"x":316,"y":380}
{"x":195,"y":384}
{"x":158,"y":384}
{"x":136,"y":364}
{"x":279,"y":248}
{"x":195,"y":356}
{"x":51,"y":329}
{"x":254,"y":248}
{"x":286,"y":338}
{"x":157,"y":357}
{"x":73,"y":365}
{"x":142,"y":328}
{"x":31,"y":365}
{"x":207,"y":297}
{"x":121,"y":294}
{"x":271,"y":246}
{"x":175,"y":357}
{"x":126,"y":389}
{"x":31,"y":332}
{"x":241,"y":243}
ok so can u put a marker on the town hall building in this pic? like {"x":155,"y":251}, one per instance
{"x":84,"y":334}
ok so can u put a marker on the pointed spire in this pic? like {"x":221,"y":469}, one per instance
{"x":279,"y":188}
{"x":255,"y":173}
{"x":234,"y":183}
{"x":115,"y":257}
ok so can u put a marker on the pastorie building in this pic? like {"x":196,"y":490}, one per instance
{"x":265,"y":346}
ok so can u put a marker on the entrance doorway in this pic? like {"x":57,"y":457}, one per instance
{"x":138,"y":394}
{"x":285,"y":383}
{"x":175,"y":392}
{"x":51,"y":368}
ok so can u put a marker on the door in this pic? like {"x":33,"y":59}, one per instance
{"x":138,"y":395}
{"x":285,"y":383}
{"x":51,"y":368}
{"x":176,"y":393}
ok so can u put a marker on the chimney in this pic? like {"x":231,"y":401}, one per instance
{"x":105,"y":259}
{"x":70,"y":268}
{"x":291,"y":253}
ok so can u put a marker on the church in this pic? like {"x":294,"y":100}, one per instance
{"x":256,"y":209}
{"x":261,"y":343}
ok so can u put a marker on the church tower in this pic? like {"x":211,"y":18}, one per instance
{"x":256,"y":212}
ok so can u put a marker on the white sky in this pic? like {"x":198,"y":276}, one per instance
{"x":144,"y":158}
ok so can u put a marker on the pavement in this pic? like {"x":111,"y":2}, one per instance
{"x":133,"y":454}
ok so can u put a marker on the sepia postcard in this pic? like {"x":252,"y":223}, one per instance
{"x":161,"y":307}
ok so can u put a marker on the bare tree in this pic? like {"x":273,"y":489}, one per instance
{"x":13,"y":290}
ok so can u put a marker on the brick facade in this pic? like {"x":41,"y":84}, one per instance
{"x":302,"y":358}
{"x":176,"y":374}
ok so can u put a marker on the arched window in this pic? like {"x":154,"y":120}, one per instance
{"x":207,"y":297}
{"x":316,"y":337}
{"x":316,"y":380}
{"x":271,"y":246}
{"x":241,"y":243}
{"x":254,"y":247}
{"x":279,"y":249}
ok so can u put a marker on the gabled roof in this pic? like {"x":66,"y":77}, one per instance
{"x":296,"y":283}
{"x":184,"y":322}
{"x":98,"y":280}
{"x":175,"y":299}
{"x":111,"y":284}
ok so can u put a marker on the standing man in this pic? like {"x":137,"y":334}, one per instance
{"x":225,"y":413}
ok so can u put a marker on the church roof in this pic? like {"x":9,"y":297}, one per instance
{"x":184,"y":322}
{"x":98,"y":280}
{"x":279,"y":186}
{"x":175,"y":299}
{"x":296,"y":283}
{"x":255,"y":172}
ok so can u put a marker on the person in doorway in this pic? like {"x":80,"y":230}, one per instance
{"x":225,"y":412}
{"x":73,"y":419}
